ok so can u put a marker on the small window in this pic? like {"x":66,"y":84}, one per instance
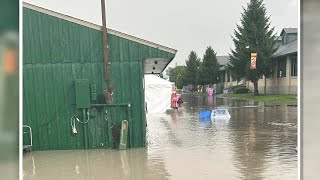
{"x":228,"y":77}
{"x":294,"y":66}
{"x":282,"y":67}
{"x":284,"y":39}
{"x":272,"y":70}
{"x":223,"y":79}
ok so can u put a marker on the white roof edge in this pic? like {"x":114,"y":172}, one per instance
{"x":98,"y":27}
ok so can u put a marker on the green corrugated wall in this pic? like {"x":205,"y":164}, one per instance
{"x":55,"y":53}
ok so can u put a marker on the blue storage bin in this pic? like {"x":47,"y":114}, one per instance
{"x":205,"y":115}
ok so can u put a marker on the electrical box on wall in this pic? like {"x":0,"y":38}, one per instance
{"x":82,"y":93}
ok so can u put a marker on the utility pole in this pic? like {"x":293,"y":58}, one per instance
{"x":109,"y":88}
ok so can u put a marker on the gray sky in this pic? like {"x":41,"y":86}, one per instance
{"x":184,"y":25}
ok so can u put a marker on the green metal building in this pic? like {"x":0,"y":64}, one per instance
{"x":63,"y":77}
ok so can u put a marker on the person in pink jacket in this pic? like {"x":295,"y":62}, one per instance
{"x":174,"y":100}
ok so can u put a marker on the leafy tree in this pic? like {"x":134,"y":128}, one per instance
{"x":254,"y":35}
{"x":236,"y":68}
{"x":178,"y":76}
{"x":200,"y":79}
{"x":192,"y":70}
{"x":182,"y":79}
{"x":209,"y":70}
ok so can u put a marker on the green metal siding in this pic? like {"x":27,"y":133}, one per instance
{"x":56,"y":53}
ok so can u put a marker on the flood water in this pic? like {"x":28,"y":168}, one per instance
{"x":256,"y":143}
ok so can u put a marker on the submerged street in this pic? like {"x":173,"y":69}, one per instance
{"x":256,"y":143}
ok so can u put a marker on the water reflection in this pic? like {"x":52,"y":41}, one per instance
{"x":205,"y":124}
{"x":93,"y":165}
{"x":255,"y":143}
{"x":211,"y":101}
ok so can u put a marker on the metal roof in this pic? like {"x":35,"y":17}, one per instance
{"x":286,"y":49}
{"x":223,"y":61}
{"x":278,"y":38}
{"x":155,"y":65}
{"x":97,"y":27}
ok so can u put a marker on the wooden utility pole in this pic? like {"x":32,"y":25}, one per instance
{"x":105,"y":53}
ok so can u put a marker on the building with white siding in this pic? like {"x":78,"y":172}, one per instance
{"x":284,"y":77}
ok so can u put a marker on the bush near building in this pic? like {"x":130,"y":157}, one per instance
{"x":240,"y":89}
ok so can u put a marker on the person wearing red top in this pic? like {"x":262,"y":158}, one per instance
{"x":174,"y":100}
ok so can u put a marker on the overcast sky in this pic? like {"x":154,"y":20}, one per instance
{"x":184,"y":25}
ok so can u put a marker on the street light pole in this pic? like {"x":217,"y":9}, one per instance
{"x":255,"y":84}
{"x":257,"y":43}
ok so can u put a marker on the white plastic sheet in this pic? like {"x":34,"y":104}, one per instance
{"x":157,"y":94}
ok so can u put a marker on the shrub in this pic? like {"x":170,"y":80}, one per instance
{"x":233,"y":88}
{"x":241,"y":90}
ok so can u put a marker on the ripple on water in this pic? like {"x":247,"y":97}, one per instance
{"x":256,"y":142}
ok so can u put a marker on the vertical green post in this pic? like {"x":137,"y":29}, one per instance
{"x":130,"y":123}
{"x":85,"y":126}
{"x":109,"y":124}
{"x":124,"y":135}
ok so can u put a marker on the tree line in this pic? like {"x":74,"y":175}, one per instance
{"x":253,"y":35}
{"x":197,"y":71}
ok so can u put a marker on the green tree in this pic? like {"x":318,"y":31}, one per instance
{"x":178,"y":76}
{"x":200,"y":79}
{"x":192,"y":71}
{"x":209,"y":70}
{"x":254,"y":35}
{"x":236,"y":68}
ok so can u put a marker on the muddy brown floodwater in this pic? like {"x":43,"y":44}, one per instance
{"x":256,"y":143}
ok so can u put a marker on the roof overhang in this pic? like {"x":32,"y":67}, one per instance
{"x":287,"y":49}
{"x":155,"y":65}
{"x":284,"y":55}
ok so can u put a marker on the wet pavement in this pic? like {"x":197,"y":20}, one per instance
{"x":256,"y":143}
